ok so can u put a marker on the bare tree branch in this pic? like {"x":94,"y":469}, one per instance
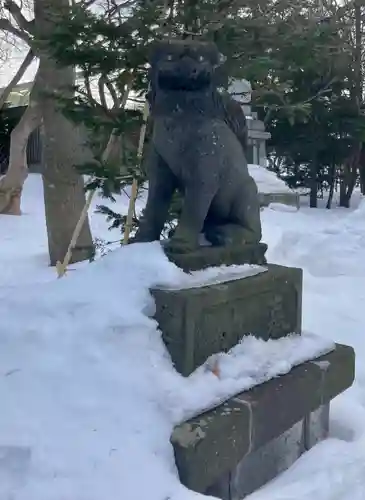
{"x":87,"y":3}
{"x":116,"y":8}
{"x":101,"y":84}
{"x":113,"y":93}
{"x":18,"y":76}
{"x":105,"y":82}
{"x":87,"y":82}
{"x":6,"y":25}
{"x":16,"y":12}
{"x":91,"y":100}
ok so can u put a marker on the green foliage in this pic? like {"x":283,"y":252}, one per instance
{"x":299,"y":64}
{"x":307,"y":101}
{"x":118,"y":221}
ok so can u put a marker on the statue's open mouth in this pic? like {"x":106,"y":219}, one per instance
{"x":190,"y":82}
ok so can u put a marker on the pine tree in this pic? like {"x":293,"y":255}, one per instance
{"x":292,"y":59}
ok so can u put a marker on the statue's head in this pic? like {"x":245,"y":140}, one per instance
{"x":183,"y":64}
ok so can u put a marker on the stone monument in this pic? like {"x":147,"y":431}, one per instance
{"x":241,"y":91}
{"x":198,"y":147}
{"x":257,"y":136}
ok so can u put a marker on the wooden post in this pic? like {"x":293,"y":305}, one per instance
{"x":134,"y":190}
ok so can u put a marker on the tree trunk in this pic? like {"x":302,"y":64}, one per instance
{"x":349,"y":176}
{"x":313,"y":196}
{"x":332,"y":186}
{"x":11,"y":184}
{"x":344,"y":201}
{"x":347,"y":187}
{"x":357,"y":96}
{"x":64,"y":194}
{"x":362,"y":169}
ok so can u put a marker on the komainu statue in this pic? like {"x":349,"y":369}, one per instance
{"x":198,"y":147}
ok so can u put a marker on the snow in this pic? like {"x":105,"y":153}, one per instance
{"x":267,"y":181}
{"x":90,"y":396}
{"x":280,"y":207}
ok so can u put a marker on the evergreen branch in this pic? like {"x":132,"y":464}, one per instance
{"x":216,"y":18}
{"x":94,"y":103}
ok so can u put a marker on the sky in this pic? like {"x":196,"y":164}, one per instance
{"x":9,"y":68}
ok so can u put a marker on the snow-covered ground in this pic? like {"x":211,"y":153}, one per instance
{"x":89,"y":396}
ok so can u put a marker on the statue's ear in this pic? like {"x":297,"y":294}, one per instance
{"x":155,"y":50}
{"x":150,"y":96}
{"x":220,"y":71}
{"x":150,"y":75}
{"x":221,"y":59}
{"x":221,"y":76}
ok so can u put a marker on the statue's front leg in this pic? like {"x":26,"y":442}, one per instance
{"x":197,"y":201}
{"x":161,"y":187}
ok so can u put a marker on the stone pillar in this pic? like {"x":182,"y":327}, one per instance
{"x":262,"y":154}
{"x":255,"y":153}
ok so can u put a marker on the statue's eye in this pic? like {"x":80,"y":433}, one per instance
{"x":169,"y":57}
{"x":201,"y":58}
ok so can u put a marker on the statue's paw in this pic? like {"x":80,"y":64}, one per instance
{"x":215,"y":238}
{"x":141,"y":238}
{"x":180,"y":245}
{"x":218,"y":236}
{"x":226,"y":235}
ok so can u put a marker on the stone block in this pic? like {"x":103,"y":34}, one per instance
{"x":316,"y":426}
{"x":271,"y":424}
{"x":202,"y":321}
{"x":274,"y":457}
{"x":262,"y":465}
{"x":285,"y":198}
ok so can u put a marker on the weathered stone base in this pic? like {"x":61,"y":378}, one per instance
{"x":273,"y":458}
{"x":208,"y":256}
{"x":198,"y":322}
{"x":236,"y":448}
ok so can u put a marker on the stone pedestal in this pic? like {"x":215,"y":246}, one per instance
{"x":199,"y":322}
{"x":234,"y":449}
{"x":231,"y":451}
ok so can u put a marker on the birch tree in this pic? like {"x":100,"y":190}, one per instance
{"x":64,"y":195}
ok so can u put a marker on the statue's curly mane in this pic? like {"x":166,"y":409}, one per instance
{"x":209,"y":103}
